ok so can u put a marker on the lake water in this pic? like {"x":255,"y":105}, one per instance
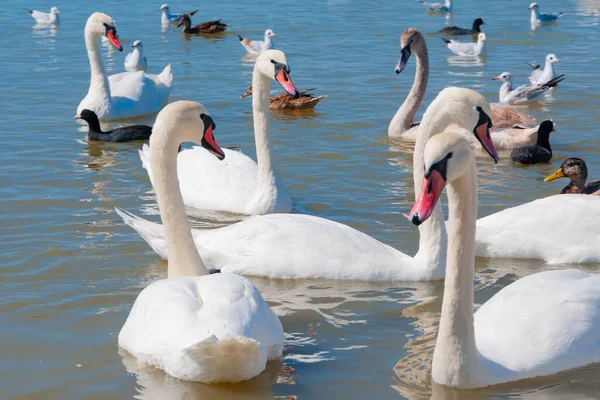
{"x":71,"y":269}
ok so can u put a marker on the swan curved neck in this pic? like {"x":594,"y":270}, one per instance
{"x":98,"y":79}
{"x":266,"y":191}
{"x":184,"y":259}
{"x":456,"y":358}
{"x":432,"y":233}
{"x":403,"y":120}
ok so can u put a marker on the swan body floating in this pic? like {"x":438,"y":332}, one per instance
{"x":540,"y":325}
{"x":136,"y":60}
{"x":541,"y":152}
{"x":538,"y":18}
{"x":576,"y":170}
{"x":238,"y":184}
{"x":42,"y":18}
{"x":195,"y":326}
{"x":124,"y":95}
{"x":511,"y":127}
{"x":258,"y":46}
{"x":315,"y":247}
{"x":523,"y":93}
{"x":456,"y":31}
{"x":540,"y":76}
{"x":467,"y":49}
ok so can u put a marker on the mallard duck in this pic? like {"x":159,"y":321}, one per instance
{"x":541,"y":152}
{"x":575,"y":169}
{"x":286,"y":100}
{"x":208,"y":27}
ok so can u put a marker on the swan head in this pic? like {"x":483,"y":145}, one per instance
{"x":273,"y":64}
{"x":481,"y":37}
{"x":551,"y":59}
{"x":191,"y":122}
{"x":103,"y":24}
{"x":410,"y":40}
{"x":467,"y":109}
{"x":269,"y":33}
{"x":505,"y":77}
{"x":164,"y":7}
{"x":533,"y":6}
{"x":573,"y":168}
{"x":54,"y":11}
{"x":447,"y":156}
{"x":137,"y":44}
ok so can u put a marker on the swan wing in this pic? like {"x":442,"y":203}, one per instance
{"x":557,"y":229}
{"x":181,"y":325}
{"x":542,"y":324}
{"x":135,"y":93}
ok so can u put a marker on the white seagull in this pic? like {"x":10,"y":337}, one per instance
{"x":540,"y":76}
{"x":51,"y":18}
{"x":168,"y":18}
{"x":523,"y":93}
{"x":538,"y":18}
{"x":258,"y":46}
{"x":445,"y":7}
{"x":467,"y":49}
{"x":136,"y":60}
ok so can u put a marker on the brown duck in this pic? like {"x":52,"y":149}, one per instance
{"x":208,"y":27}
{"x":576,"y":170}
{"x":286,"y":100}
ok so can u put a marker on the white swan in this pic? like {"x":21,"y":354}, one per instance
{"x":314,"y":247}
{"x":136,"y":60}
{"x":540,"y":325}
{"x":511,"y":128}
{"x":195,"y":326}
{"x":124,"y":95}
{"x":238,"y":184}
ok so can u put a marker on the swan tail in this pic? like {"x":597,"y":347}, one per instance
{"x":152,"y":233}
{"x":166,"y":76}
{"x":227,"y":360}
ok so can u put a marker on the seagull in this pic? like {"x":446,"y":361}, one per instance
{"x":523,"y":93}
{"x":540,"y":76}
{"x":136,"y":60}
{"x":537,"y":18}
{"x":51,"y":18}
{"x":167,"y":18}
{"x":438,"y":7}
{"x":258,"y":46}
{"x":467,"y":49}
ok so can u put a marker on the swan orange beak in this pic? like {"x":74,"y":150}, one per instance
{"x":433,"y":184}
{"x":286,"y":83}
{"x":482,"y":132}
{"x":210,"y":143}
{"x":114,"y":39}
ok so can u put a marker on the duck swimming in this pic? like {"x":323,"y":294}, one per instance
{"x":575,"y":169}
{"x":456,"y":31}
{"x":208,"y":27}
{"x":541,"y":152}
{"x":125,"y":134}
{"x":287,"y":101}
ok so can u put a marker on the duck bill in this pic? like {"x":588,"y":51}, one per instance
{"x":404,"y":56}
{"x":556,"y":175}
{"x":210,"y":143}
{"x":114,"y":39}
{"x":430,"y":193}
{"x":482,"y":133}
{"x":286,"y":83}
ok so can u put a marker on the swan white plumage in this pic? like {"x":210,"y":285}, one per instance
{"x":136,"y":60}
{"x":314,"y":247}
{"x":511,"y":128}
{"x":238,"y":184}
{"x":195,"y":326}
{"x":123,"y":95}
{"x":540,"y":325}
{"x":42,"y":18}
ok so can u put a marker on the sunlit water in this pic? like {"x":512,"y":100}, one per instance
{"x":71,"y":269}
